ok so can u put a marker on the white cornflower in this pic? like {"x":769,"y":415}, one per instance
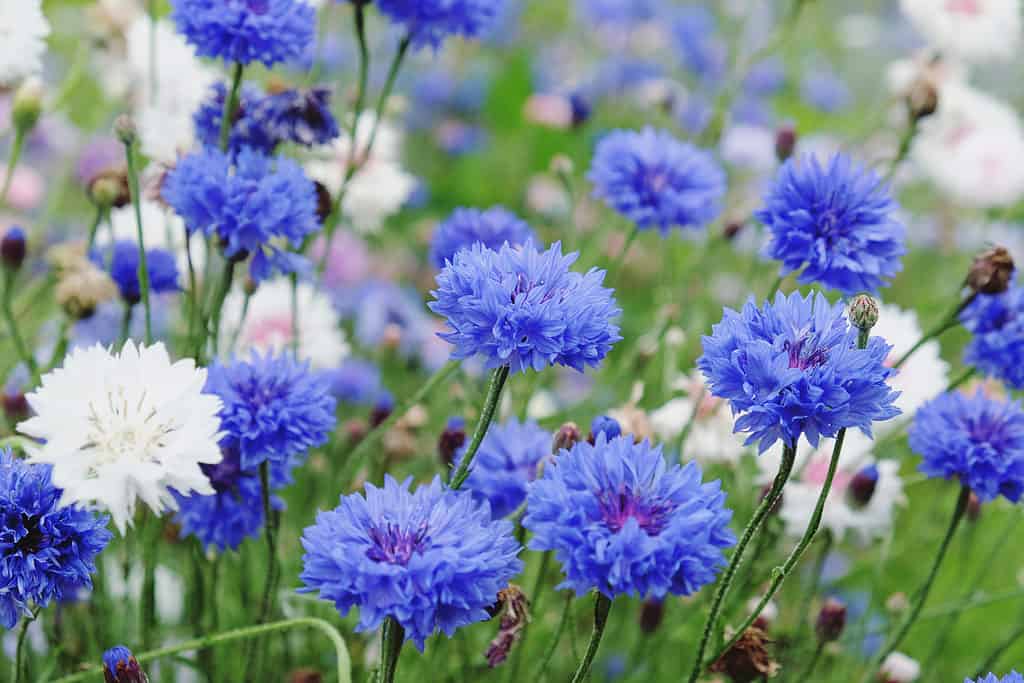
{"x":23,"y":31}
{"x":711,"y":438}
{"x":268,"y":324}
{"x":923,"y":377}
{"x":119,"y":427}
{"x":974,"y":30}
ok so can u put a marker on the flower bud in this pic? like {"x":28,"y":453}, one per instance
{"x":120,"y":666}
{"x":561,"y":165}
{"x":973,"y":507}
{"x":110,"y":188}
{"x":732,"y":229}
{"x":567,"y":436}
{"x":748,"y":659}
{"x":862,"y":486}
{"x":991,"y":271}
{"x":125,"y":129}
{"x":922,"y":99}
{"x":603,"y":424}
{"x":515,"y":614}
{"x":863,"y":312}
{"x":451,"y":440}
{"x":28,"y":105}
{"x":324,"y":201}
{"x":15,"y":407}
{"x":831,"y":621}
{"x":651,"y":614}
{"x":381,"y":411}
{"x":581,"y":109}
{"x":13,"y":248}
{"x":899,"y":668}
{"x":785,"y":142}
{"x":305,"y":676}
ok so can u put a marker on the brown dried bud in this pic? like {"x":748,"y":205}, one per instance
{"x":515,"y":614}
{"x":991,"y":271}
{"x":451,"y":440}
{"x":305,"y":676}
{"x":785,"y":142}
{"x":831,"y":621}
{"x":355,"y":430}
{"x":922,"y":99}
{"x":973,"y":507}
{"x":732,"y":229}
{"x":15,"y":407}
{"x":81,"y":290}
{"x":109,"y":188}
{"x":748,"y":660}
{"x":651,"y":614}
{"x":567,"y":436}
{"x":324,"y":201}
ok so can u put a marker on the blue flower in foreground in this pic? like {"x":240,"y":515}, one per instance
{"x":792,"y":367}
{"x":275,"y":408}
{"x":835,"y":222}
{"x":623,"y":521}
{"x":429,"y":22}
{"x":655,"y":180}
{"x":47,"y":552}
{"x":976,"y":439}
{"x":996,"y":322}
{"x":506,"y":463}
{"x":525,"y":308}
{"x":121,"y":260}
{"x":250,"y":208}
{"x":120,"y":666}
{"x":466,"y":227}
{"x":1012,"y":677}
{"x":246,"y":31}
{"x":247,"y":129}
{"x":432,"y":559}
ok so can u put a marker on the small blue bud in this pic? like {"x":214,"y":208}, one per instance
{"x":603,"y":424}
{"x":13,"y":248}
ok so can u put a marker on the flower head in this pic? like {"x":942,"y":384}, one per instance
{"x":525,"y":308}
{"x":972,"y":30}
{"x":247,"y":129}
{"x":835,"y":222}
{"x":120,"y":666}
{"x":47,"y":551}
{"x":792,"y":368}
{"x":976,"y":439}
{"x":996,"y":323}
{"x":121,"y":260}
{"x":429,"y":22}
{"x":466,"y":227}
{"x":25,"y":28}
{"x":1012,"y":677}
{"x":275,"y":407}
{"x":623,"y":521}
{"x":655,"y":180}
{"x":119,"y":427}
{"x":246,"y":31}
{"x":433,"y":559}
{"x":250,"y":203}
{"x":506,"y":464}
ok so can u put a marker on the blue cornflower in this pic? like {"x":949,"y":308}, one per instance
{"x":976,"y":439}
{"x":247,"y":129}
{"x":506,"y":463}
{"x":621,"y":520}
{"x":619,"y":12}
{"x":702,"y":52}
{"x":433,"y":559}
{"x":1012,"y":677}
{"x":996,"y":322}
{"x":602,"y":424}
{"x":825,"y":91}
{"x":47,"y":552}
{"x":835,"y":222}
{"x":356,"y":381}
{"x":121,"y":260}
{"x":302,"y":117}
{"x":250,"y":204}
{"x":525,"y":308}
{"x":466,"y":227}
{"x":793,"y":368}
{"x":429,"y":22}
{"x":245,"y":31}
{"x":655,"y":180}
{"x":275,"y":407}
{"x":120,"y":666}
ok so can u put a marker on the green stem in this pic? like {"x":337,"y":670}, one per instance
{"x":718,"y":601}
{"x":949,"y":322}
{"x":217,"y":305}
{"x":19,"y":651}
{"x":12,"y":326}
{"x":148,"y":615}
{"x":688,"y":427}
{"x":392,"y":639}
{"x":813,"y":663}
{"x":295,"y":313}
{"x":194,"y":312}
{"x":962,"y":379}
{"x":270,"y":534}
{"x":613,"y":271}
{"x":602,"y":605}
{"x":230,"y":106}
{"x":17,"y":146}
{"x":95,"y":673}
{"x":776,"y":285}
{"x":904,"y":149}
{"x":246,"y":301}
{"x":133,"y":184}
{"x":559,"y":630}
{"x":534,"y":597}
{"x":126,"y":325}
{"x":101,"y":212}
{"x":498,"y":378}
{"x":997,"y":654}
{"x":815,"y":582}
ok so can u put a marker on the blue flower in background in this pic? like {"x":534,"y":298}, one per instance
{"x":996,"y":323}
{"x":1012,"y":677}
{"x":246,"y":31}
{"x":466,"y":227}
{"x":47,"y":552}
{"x":792,"y":368}
{"x":655,"y":180}
{"x":275,"y":408}
{"x":248,"y":128}
{"x":766,"y":78}
{"x":432,"y":558}
{"x":623,"y":521}
{"x":302,"y":117}
{"x":506,"y":463}
{"x":121,"y":260}
{"x":356,"y":381}
{"x":835,"y":222}
{"x":387,"y":314}
{"x":429,"y":22}
{"x":619,"y":12}
{"x":251,"y":204}
{"x":825,"y":91}
{"x":693,"y":36}
{"x":976,"y":439}
{"x":525,"y":308}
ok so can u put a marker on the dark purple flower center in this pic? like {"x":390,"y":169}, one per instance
{"x":33,"y":539}
{"x":225,"y":474}
{"x":395,"y":545}
{"x":802,"y":357}
{"x":618,"y":508}
{"x":258,"y":6}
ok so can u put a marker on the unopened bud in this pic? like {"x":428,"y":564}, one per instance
{"x":381,"y":411}
{"x":748,"y":659}
{"x":785,"y":142}
{"x":355,"y":430}
{"x":602,"y":424}
{"x":862,"y":486}
{"x":324,"y":201}
{"x":863,"y":312}
{"x":991,"y":271}
{"x":973,"y":507}
{"x":110,"y":188}
{"x":567,"y":436}
{"x":561,"y":165}
{"x":16,"y":407}
{"x":831,"y":621}
{"x":581,"y":109}
{"x":305,"y":676}
{"x":125,"y":129}
{"x":13,"y":248}
{"x":922,"y":99}
{"x":451,"y":440}
{"x":732,"y":229}
{"x":651,"y":614}
{"x":250,"y":286}
{"x":515,"y":614}
{"x":28,"y":105}
{"x":120,"y":666}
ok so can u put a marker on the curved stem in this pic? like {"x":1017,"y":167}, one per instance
{"x":133,"y":184}
{"x":270,"y":534}
{"x":216,"y":306}
{"x":776,"y":285}
{"x":602,"y":605}
{"x":95,"y":673}
{"x":948,"y":323}
{"x":19,"y":651}
{"x":962,"y":379}
{"x":126,"y":325}
{"x":12,"y":326}
{"x":230,"y":106}
{"x":101,"y":212}
{"x":392,"y":638}
{"x":12,"y":161}
{"x":717,"y":603}
{"x":688,"y":427}
{"x":1000,"y":650}
{"x":498,"y":378}
{"x":546,"y":660}
{"x":621,"y":258}
{"x":813,"y":663}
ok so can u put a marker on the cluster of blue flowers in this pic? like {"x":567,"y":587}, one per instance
{"x":465,"y":227}
{"x":996,"y":323}
{"x":430,"y":22}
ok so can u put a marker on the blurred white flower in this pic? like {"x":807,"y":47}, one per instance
{"x":711,"y":438}
{"x":23,"y":32}
{"x":974,"y":30}
{"x":169,"y":588}
{"x":749,"y":147}
{"x":899,"y":668}
{"x":268,"y":323}
{"x":923,"y":377}
{"x":924,"y":68}
{"x":119,"y":427}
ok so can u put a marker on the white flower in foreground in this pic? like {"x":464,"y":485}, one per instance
{"x":23,"y":31}
{"x":268,"y":323}
{"x":119,"y":427}
{"x":974,"y":30}
{"x":923,"y":377}
{"x":899,"y":668}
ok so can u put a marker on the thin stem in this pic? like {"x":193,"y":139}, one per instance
{"x":997,"y":654}
{"x":343,"y":663}
{"x":688,"y":427}
{"x":497,"y":383}
{"x":602,"y":605}
{"x":270,"y":534}
{"x":904,"y":149}
{"x":534,"y":597}
{"x":101,"y":212}
{"x":246,"y":301}
{"x":12,"y":161}
{"x":546,"y":660}
{"x":19,"y":651}
{"x":815,"y":582}
{"x":230,"y":106}
{"x":149,"y":561}
{"x":126,"y":325}
{"x":962,"y":379}
{"x":295,"y":313}
{"x":12,"y":326}
{"x":949,"y":322}
{"x":613,"y":271}
{"x":392,"y":639}
{"x":217,"y":305}
{"x":133,"y":184}
{"x":717,"y":603}
{"x":776,"y":285}
{"x":813,"y":663}
{"x":194,"y":312}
